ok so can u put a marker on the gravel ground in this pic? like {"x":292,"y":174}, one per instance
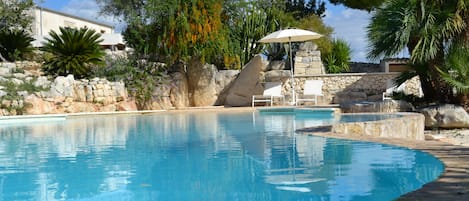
{"x":452,"y":136}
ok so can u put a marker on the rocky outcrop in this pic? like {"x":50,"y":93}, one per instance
{"x":188,"y":86}
{"x":60,"y":95}
{"x":179,"y":93}
{"x":445,"y":116}
{"x":245,"y":85}
{"x":67,"y":95}
{"x":277,"y":75}
{"x":201,"y":79}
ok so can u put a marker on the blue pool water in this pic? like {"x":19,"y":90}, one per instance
{"x":201,"y":156}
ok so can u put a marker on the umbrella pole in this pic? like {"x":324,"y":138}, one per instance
{"x":291,"y":70}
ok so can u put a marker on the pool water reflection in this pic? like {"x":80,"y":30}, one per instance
{"x":200,"y":156}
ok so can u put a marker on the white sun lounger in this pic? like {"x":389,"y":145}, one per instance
{"x":391,"y":87}
{"x":312,"y":89}
{"x":271,"y":90}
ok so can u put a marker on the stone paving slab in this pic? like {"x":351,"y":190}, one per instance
{"x":452,"y":185}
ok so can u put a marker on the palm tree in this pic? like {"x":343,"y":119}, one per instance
{"x":425,"y":28}
{"x":14,"y":44}
{"x":74,"y":51}
{"x":456,"y":70}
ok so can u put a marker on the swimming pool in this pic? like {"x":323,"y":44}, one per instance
{"x":200,"y":156}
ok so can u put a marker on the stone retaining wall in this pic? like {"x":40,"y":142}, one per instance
{"x":339,"y":88}
{"x":184,"y":89}
{"x":59,"y":95}
{"x":67,"y":95}
{"x":409,"y":126}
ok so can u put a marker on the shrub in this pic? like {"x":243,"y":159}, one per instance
{"x":13,"y":100}
{"x":15,"y":44}
{"x":337,"y":61}
{"x":141,"y":77}
{"x":74,"y":51}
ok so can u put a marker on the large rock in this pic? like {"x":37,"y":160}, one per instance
{"x":75,"y":107}
{"x":5,"y":71}
{"x":161,"y":98}
{"x":201,"y":79}
{"x":179,"y":94}
{"x":42,"y":81}
{"x":63,"y":86}
{"x":80,"y":92}
{"x":445,"y":116}
{"x":129,"y":105}
{"x":224,"y":81}
{"x":245,"y":85}
{"x":35,"y":105}
{"x":224,"y":78}
{"x":277,"y":75}
{"x":119,"y":90}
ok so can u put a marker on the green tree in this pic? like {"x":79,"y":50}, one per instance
{"x":14,"y":14}
{"x":250,"y":25}
{"x":220,"y":32}
{"x":194,"y":29}
{"x":175,"y":30}
{"x":423,"y":27}
{"x":74,"y":51}
{"x":455,"y":71}
{"x":141,"y":31}
{"x":140,"y":37}
{"x":141,"y":77}
{"x":14,"y":19}
{"x":130,"y":9}
{"x":360,"y":4}
{"x":301,"y":8}
{"x":315,"y":23}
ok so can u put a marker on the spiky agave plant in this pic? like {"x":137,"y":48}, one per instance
{"x":74,"y":51}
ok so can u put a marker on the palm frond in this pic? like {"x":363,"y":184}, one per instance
{"x":75,"y":52}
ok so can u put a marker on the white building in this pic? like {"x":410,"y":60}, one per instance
{"x":46,"y":20}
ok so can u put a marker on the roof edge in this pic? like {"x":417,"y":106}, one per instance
{"x":74,"y":16}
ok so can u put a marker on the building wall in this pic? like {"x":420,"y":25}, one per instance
{"x":46,"y":20}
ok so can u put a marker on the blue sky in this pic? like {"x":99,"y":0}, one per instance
{"x":348,"y":24}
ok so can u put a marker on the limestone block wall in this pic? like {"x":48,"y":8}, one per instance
{"x":308,"y":60}
{"x":407,"y":126}
{"x":339,"y":88}
{"x":308,"y":63}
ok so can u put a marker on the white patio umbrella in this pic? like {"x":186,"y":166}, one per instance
{"x":290,"y":35}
